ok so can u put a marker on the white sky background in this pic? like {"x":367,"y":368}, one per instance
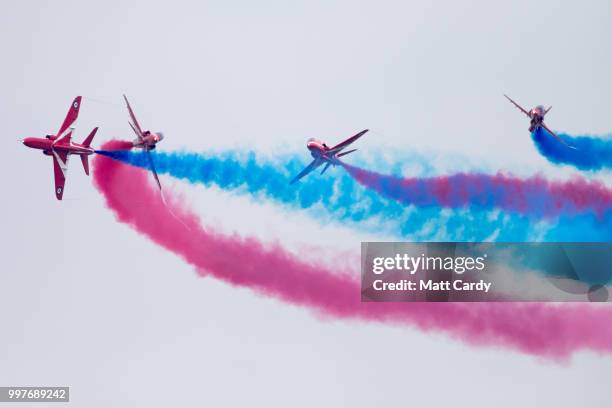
{"x":87,"y":302}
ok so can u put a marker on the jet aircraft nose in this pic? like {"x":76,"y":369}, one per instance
{"x":160,"y":136}
{"x":27,"y":141}
{"x":312,"y":143}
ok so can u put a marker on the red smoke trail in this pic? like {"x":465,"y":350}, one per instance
{"x":554,"y":331}
{"x":534,"y":196}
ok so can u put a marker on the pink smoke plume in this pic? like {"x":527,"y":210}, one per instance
{"x":533,"y":196}
{"x":553,"y":331}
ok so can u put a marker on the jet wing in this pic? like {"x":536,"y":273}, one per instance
{"x":347,"y":152}
{"x":337,"y":148}
{"x":555,"y":135}
{"x":60,"y":166}
{"x":65,"y":138}
{"x":312,"y":166}
{"x":135,"y":131}
{"x":134,"y":124}
{"x":152,"y":167}
{"x":73,"y":114}
{"x":518,"y":106}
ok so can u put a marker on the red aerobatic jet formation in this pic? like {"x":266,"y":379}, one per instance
{"x":60,"y":146}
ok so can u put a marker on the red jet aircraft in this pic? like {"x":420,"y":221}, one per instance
{"x":146,"y":140}
{"x":325,"y":154}
{"x":60,"y":147}
{"x":537,"y":119}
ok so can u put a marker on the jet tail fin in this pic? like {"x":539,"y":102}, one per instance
{"x":347,"y":152}
{"x":85,"y":161}
{"x":89,"y":138}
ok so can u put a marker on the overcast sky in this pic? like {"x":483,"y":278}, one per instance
{"x":87,"y":302}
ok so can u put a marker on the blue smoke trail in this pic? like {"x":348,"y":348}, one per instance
{"x":342,"y":198}
{"x":345,"y":200}
{"x":590,"y":153}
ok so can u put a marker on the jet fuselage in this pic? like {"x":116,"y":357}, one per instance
{"x":537,"y":117}
{"x":319,"y":150}
{"x":48,"y":144}
{"x":149,"y":140}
